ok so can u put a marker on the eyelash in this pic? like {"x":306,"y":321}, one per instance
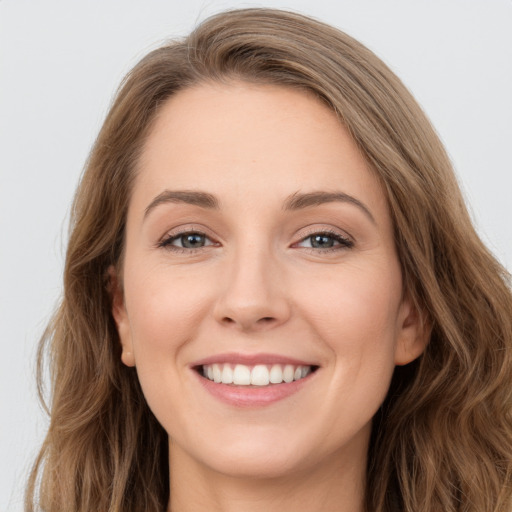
{"x":167,"y":242}
{"x":343,"y":242}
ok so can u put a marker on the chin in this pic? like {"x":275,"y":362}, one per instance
{"x":251,"y":456}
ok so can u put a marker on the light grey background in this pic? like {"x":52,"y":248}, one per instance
{"x":60,"y":63}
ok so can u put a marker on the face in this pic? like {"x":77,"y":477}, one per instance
{"x":259,"y":253}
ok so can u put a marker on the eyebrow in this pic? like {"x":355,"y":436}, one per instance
{"x":299,"y":201}
{"x":296,"y":201}
{"x":202,"y":199}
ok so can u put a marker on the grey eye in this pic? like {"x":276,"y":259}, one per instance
{"x":186,"y":240}
{"x":322,"y":241}
{"x":191,"y":240}
{"x":325,"y":241}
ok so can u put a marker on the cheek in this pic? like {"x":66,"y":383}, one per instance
{"x":355,"y":305}
{"x":165,"y":310}
{"x":357,"y":319}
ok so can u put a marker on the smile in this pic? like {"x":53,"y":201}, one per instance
{"x":244,"y":380}
{"x":256,"y":375}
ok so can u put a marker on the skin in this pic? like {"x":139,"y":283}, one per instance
{"x":258,"y":285}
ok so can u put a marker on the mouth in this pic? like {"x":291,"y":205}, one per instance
{"x":258,"y":375}
{"x":253,"y":380}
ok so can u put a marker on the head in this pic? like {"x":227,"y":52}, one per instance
{"x":452,"y":286}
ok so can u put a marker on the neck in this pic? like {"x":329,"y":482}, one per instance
{"x":331,"y":485}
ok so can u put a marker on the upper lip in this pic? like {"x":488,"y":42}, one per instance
{"x":250,"y":359}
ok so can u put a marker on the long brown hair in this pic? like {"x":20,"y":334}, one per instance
{"x":443,"y":438}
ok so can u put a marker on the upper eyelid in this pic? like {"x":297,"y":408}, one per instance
{"x":331,"y":230}
{"x":183,"y":230}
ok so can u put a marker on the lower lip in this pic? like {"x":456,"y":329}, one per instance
{"x":253,"y":396}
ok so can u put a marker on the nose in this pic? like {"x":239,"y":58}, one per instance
{"x":253,"y":295}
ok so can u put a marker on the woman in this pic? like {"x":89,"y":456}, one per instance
{"x":274,"y":297}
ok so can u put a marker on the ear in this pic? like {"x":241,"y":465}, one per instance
{"x":413,"y":333}
{"x":121,"y":317}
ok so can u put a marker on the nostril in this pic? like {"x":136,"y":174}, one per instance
{"x":249,"y":321}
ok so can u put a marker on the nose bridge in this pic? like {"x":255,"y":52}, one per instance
{"x":252,"y":295}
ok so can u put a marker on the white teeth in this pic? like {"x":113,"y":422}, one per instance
{"x":217,"y":374}
{"x":288,"y":373}
{"x":258,"y":375}
{"x":242,"y":375}
{"x":227,"y":374}
{"x":276,"y":374}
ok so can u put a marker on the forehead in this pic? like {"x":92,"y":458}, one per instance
{"x":252,"y":140}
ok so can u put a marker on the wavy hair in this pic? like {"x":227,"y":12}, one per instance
{"x":443,"y":438}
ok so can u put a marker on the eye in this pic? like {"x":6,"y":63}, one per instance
{"x":189,"y":240}
{"x":325,"y":241}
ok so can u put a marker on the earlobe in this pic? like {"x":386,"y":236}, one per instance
{"x":414,"y":334}
{"x":120,"y":316}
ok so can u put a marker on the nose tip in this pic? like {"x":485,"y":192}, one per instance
{"x":252,"y":296}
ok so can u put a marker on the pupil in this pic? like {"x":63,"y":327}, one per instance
{"x":322,"y":241}
{"x":192,"y":241}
